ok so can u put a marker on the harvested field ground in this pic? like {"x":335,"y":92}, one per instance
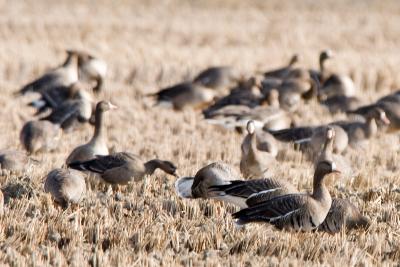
{"x":157,"y":43}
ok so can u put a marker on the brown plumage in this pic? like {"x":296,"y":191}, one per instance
{"x":40,"y":136}
{"x":64,"y":75}
{"x":248,"y":193}
{"x":257,"y":157}
{"x":65,"y":186}
{"x":97,"y":145}
{"x":14,"y":160}
{"x":343,"y":214}
{"x":123,"y":167}
{"x":294,"y":211}
{"x":216,"y":173}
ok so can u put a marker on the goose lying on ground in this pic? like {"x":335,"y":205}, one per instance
{"x":294,"y":211}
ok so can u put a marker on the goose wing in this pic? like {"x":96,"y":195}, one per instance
{"x":279,"y":211}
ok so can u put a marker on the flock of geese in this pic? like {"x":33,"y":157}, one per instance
{"x":263,"y":106}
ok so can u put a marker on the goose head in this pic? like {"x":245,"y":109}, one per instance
{"x":323,"y":169}
{"x":251,"y":127}
{"x":105,"y":106}
{"x":379,"y":115}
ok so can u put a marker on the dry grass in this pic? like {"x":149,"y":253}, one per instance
{"x":161,"y":42}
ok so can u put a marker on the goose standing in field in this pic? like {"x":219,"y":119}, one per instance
{"x":213,"y":174}
{"x":185,"y":94}
{"x":14,"y":160}
{"x":78,"y":108}
{"x":64,"y":75}
{"x":97,"y":145}
{"x":123,"y":167}
{"x":257,"y":156}
{"x":300,"y":212}
{"x":247,"y":193}
{"x":333,"y":84}
{"x":326,"y":151}
{"x":92,"y":68}
{"x":65,"y":186}
{"x":40,"y":136}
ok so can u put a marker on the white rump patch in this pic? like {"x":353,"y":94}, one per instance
{"x":183,"y":187}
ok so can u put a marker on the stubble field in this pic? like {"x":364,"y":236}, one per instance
{"x":155,"y":44}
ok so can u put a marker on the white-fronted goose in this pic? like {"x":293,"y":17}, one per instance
{"x":14,"y":160}
{"x":313,"y":137}
{"x":97,"y":145}
{"x":185,"y":94}
{"x":257,"y":156}
{"x":390,"y":104}
{"x":246,"y":93}
{"x":64,"y":75}
{"x":216,"y":173}
{"x":334,"y":84}
{"x":248,"y":193}
{"x":343,"y":214}
{"x":65,"y":186}
{"x":92,"y":68}
{"x":360,"y":131}
{"x":78,"y":108}
{"x":217,"y":77}
{"x":123,"y":167}
{"x":326,"y":152}
{"x":303,"y":212}
{"x":237,"y":116}
{"x":341,"y":103}
{"x":40,"y":136}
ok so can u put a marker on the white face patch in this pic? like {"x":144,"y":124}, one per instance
{"x":251,"y":127}
{"x":334,"y":166}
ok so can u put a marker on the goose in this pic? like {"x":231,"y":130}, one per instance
{"x":300,"y":212}
{"x":247,"y":193}
{"x":361,"y":131}
{"x":390,"y":104}
{"x":326,"y":150}
{"x":216,"y":173}
{"x":78,"y":108}
{"x":97,"y":145}
{"x":343,"y":214}
{"x":257,"y":156}
{"x":341,"y":103}
{"x":123,"y":167}
{"x":54,"y":97}
{"x":64,"y":75}
{"x":14,"y":160}
{"x":40,"y":136}
{"x":92,"y":68}
{"x":283,"y":72}
{"x":184,"y":94}
{"x":311,"y":138}
{"x":333,"y":84}
{"x":264,"y":117}
{"x":246,"y":93}
{"x":66,"y":186}
{"x":216,"y":77}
